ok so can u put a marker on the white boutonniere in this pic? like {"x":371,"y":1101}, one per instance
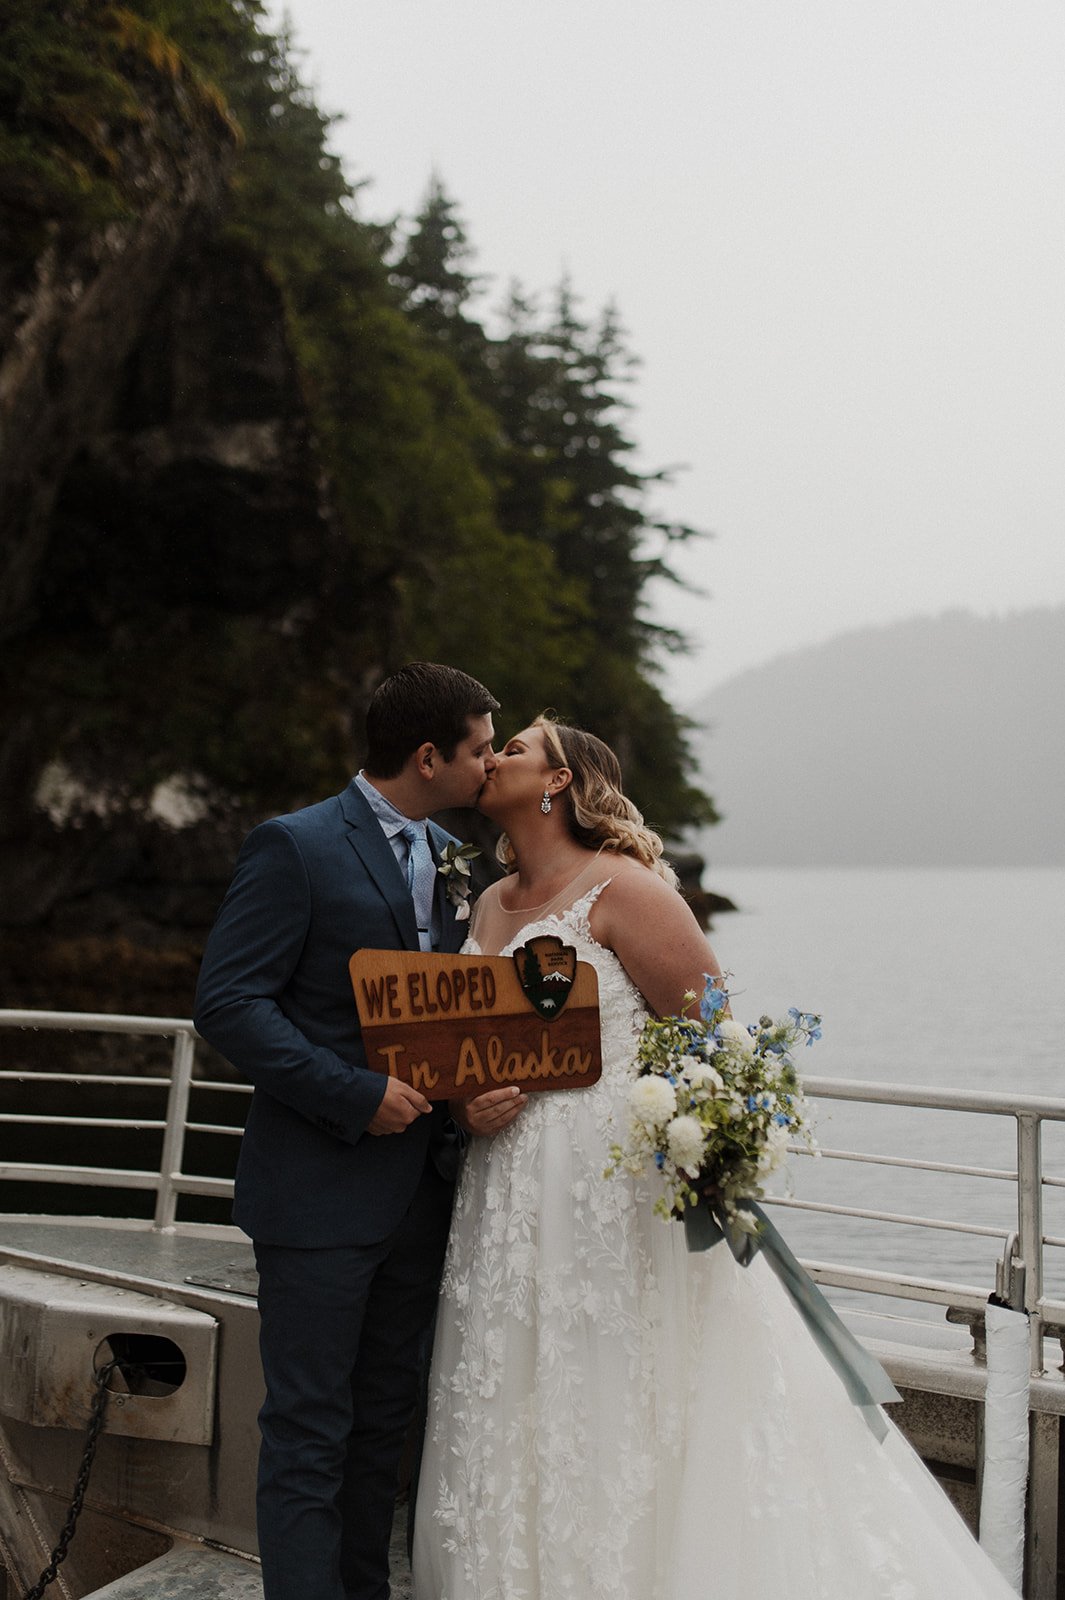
{"x":454,"y":868}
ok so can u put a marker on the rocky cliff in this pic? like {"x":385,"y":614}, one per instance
{"x":160,"y":505}
{"x":246,"y":469}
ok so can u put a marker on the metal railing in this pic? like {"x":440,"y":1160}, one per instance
{"x":170,"y":1181}
{"x":1024,"y":1245}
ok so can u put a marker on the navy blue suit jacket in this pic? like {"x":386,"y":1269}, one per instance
{"x":275,"y":998}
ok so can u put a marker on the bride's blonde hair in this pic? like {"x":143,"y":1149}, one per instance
{"x":600,"y":816}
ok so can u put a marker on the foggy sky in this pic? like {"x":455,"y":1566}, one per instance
{"x":835,"y":231}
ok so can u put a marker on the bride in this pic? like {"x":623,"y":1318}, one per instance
{"x":611,"y":1416}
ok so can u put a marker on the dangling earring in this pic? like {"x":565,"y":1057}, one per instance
{"x":545,"y":803}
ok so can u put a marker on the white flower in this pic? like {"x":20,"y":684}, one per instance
{"x":686,"y":1143}
{"x":774,"y":1151}
{"x":745,"y":1221}
{"x":652,"y":1101}
{"x":704,"y":1076}
{"x":746,"y":1091}
{"x":731,"y":1032}
{"x":462,"y":911}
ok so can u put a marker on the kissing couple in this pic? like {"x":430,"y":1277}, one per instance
{"x":609,"y":1415}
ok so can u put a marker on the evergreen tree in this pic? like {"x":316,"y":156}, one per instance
{"x":434,"y":285}
{"x":482,"y":505}
{"x":559,"y":466}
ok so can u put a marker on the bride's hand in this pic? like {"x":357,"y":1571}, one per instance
{"x":489,"y":1113}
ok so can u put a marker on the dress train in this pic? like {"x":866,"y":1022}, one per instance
{"x":613,"y":1418}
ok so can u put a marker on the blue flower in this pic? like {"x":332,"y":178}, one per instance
{"x":660,"y":1160}
{"x":809,"y":1021}
{"x":781,"y":1120}
{"x":713,"y":1001}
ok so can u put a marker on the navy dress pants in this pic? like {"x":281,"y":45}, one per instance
{"x":343,"y":1337}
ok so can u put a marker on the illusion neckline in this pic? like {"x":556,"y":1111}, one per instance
{"x":527,"y":911}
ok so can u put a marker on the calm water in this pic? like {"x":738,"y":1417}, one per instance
{"x":953,"y":979}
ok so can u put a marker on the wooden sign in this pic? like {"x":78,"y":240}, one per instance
{"x":456,"y":1026}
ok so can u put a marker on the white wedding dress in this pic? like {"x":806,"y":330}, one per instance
{"x":613,"y":1417}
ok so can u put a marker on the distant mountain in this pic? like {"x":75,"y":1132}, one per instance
{"x":934,"y":742}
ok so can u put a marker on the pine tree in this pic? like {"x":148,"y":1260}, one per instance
{"x":482,"y":506}
{"x":567,"y":479}
{"x":435,"y":287}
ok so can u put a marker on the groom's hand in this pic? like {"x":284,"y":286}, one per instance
{"x":489,"y":1113}
{"x":400,"y":1106}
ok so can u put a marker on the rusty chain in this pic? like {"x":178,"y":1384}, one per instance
{"x":81,"y":1484}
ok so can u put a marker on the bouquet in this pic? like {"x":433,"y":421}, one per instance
{"x":715,"y":1107}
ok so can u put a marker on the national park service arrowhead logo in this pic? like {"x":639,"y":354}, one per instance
{"x":546,"y":970}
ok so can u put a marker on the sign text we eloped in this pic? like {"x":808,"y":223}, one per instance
{"x":454,"y":1026}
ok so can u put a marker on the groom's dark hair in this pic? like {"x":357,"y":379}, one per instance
{"x":421,"y":703}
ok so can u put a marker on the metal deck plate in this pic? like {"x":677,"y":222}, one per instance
{"x":233,"y":1278}
{"x":134,"y":1251}
{"x":188,"y":1572}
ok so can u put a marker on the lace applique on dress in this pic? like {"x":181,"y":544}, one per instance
{"x":549,"y":1317}
{"x":576,"y":916}
{"x":613,"y":1419}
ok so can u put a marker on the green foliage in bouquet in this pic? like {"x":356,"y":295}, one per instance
{"x":715,"y":1106}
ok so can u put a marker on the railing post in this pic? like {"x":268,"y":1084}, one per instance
{"x":177,"y":1111}
{"x":1030,"y":1227}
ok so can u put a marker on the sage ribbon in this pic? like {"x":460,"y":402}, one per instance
{"x":864,"y":1379}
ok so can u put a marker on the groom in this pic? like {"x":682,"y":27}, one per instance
{"x":346,"y":1176}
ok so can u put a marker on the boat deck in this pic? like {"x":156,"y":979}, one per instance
{"x":217,"y":1259}
{"x":212,"y":1268}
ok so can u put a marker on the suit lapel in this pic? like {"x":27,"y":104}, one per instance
{"x":452,"y":933}
{"x":367,"y":839}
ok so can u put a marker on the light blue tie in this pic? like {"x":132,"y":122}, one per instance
{"x":421,"y":880}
